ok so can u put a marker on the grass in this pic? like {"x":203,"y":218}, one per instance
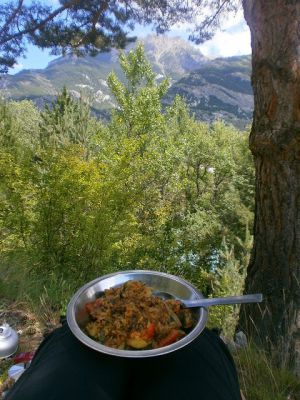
{"x":261,"y":379}
{"x":44,"y":294}
{"x":16,"y":282}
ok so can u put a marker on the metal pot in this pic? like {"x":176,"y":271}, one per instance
{"x":9,"y":341}
{"x":160,"y":282}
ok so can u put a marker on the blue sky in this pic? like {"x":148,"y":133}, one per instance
{"x":232,"y":39}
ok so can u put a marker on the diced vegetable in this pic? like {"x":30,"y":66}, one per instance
{"x":186,"y":318}
{"x":93,"y":330}
{"x":172,"y":337}
{"x":89,"y":307}
{"x":136,"y":341}
{"x":150,"y":331}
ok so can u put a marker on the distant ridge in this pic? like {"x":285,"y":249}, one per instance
{"x":214,"y":89}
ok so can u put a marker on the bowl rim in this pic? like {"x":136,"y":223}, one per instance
{"x":85,"y":339}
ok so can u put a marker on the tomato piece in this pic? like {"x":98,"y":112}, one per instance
{"x":139,"y":340}
{"x":89,"y":307}
{"x":150,"y":331}
{"x":169,"y":339}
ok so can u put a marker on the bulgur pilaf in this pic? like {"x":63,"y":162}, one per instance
{"x":131,"y":317}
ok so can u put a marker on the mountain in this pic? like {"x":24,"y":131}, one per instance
{"x":172,"y":57}
{"x":218,"y":89}
{"x":213,"y":88}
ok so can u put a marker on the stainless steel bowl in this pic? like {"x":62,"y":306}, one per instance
{"x":160,"y":282}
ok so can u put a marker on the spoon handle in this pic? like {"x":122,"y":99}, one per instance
{"x":248,"y":298}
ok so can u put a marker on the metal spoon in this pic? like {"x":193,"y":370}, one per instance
{"x":248,"y":298}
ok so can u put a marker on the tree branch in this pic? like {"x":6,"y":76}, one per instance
{"x":11,"y":18}
{"x":215,"y":15}
{"x":41,"y":24}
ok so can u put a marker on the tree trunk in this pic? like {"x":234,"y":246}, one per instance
{"x":274,"y":267}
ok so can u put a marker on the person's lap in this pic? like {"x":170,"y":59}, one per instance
{"x":202,"y":370}
{"x":65,"y":368}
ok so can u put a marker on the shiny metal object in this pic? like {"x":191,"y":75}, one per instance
{"x":15,"y":371}
{"x":215,"y":301}
{"x":177,"y":287}
{"x":9,"y":341}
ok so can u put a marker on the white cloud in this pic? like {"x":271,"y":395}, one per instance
{"x":227,"y":44}
{"x":18,"y":66}
{"x":232,"y":39}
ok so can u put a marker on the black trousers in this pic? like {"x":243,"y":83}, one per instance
{"x":64,"y":368}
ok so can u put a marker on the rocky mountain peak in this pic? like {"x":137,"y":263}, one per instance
{"x":172,"y":55}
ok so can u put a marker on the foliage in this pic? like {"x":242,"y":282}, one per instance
{"x":149,"y":190}
{"x":139,"y":102}
{"x":16,"y":152}
{"x":228,"y":278}
{"x":66,"y":121}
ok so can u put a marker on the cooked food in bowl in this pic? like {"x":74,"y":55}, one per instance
{"x":130,"y":317}
{"x":78,"y":317}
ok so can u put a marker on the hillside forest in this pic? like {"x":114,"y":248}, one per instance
{"x":153,"y":188}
